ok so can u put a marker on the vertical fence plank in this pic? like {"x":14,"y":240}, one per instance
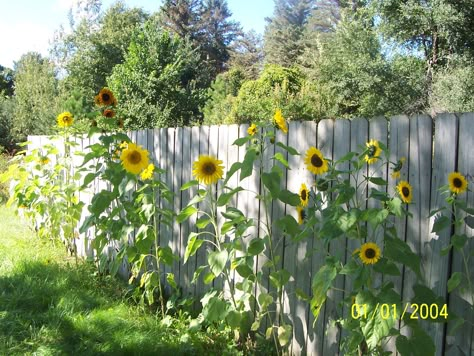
{"x":435,"y":265}
{"x":461,"y":342}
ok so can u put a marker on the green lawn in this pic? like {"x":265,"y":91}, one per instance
{"x":50,"y":306}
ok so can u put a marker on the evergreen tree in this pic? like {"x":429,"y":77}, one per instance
{"x":6,"y":81}
{"x":247,"y":54}
{"x":283,"y":38}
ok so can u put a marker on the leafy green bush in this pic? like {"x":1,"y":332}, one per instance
{"x":4,"y":185}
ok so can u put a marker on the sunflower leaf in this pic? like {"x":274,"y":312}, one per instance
{"x":272,"y":182}
{"x":247,"y":164}
{"x":279,"y":157}
{"x":242,"y":141}
{"x":189,"y":184}
{"x":398,"y":251}
{"x":186,"y":213}
{"x":234,"y":168}
{"x":193,"y":245}
{"x":289,"y":149}
{"x":441,"y":222}
{"x":469,"y":220}
{"x":224,"y":198}
{"x":454,"y":281}
{"x":288,"y":197}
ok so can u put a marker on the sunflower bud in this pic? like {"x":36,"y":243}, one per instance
{"x":272,"y":140}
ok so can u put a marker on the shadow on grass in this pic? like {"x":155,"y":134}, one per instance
{"x":49,"y":308}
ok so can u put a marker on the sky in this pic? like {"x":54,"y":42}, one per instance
{"x":29,"y":25}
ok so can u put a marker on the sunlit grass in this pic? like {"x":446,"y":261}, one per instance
{"x":50,"y":306}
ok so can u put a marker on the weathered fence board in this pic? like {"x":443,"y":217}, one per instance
{"x":430,"y":157}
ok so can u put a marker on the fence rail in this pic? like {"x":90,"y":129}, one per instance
{"x":433,"y":148}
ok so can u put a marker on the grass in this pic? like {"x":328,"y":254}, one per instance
{"x":50,"y":306}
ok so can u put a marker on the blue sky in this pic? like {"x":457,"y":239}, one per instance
{"x":29,"y":25}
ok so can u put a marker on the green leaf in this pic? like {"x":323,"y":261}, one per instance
{"x":242,"y":141}
{"x":215,"y":310}
{"x":419,"y":343}
{"x":458,"y":241}
{"x":346,"y":193}
{"x":256,"y":246}
{"x":272,"y":182}
{"x":289,"y":198}
{"x":202,"y":222}
{"x":395,"y":206}
{"x":197,"y":273}
{"x":233,"y":319}
{"x":348,"y":219}
{"x":398,"y":251}
{"x":88,"y":179}
{"x":234,"y":168}
{"x":126,"y":185}
{"x":441,"y":222}
{"x":247,"y":164}
{"x":193,"y":245}
{"x":279,"y":278}
{"x":186,"y":213}
{"x":377,"y":181}
{"x":208,"y":278}
{"x":289,"y":225}
{"x":264,"y":299}
{"x":289,"y":149}
{"x":189,"y":184}
{"x":165,"y":255}
{"x":224,"y":198}
{"x":469,"y":220}
{"x":279,"y":157}
{"x":100,"y":202}
{"x":386,"y":267}
{"x":454,"y":281}
{"x":171,"y":281}
{"x":217,"y":261}
{"x":322,"y":281}
{"x":285,"y":333}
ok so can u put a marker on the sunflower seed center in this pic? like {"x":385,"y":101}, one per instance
{"x":457,"y":182}
{"x":209,"y":168}
{"x":134,"y":157}
{"x":105,"y":97}
{"x":303,"y":194}
{"x":405,"y":191}
{"x":316,"y":161}
{"x":370,"y":253}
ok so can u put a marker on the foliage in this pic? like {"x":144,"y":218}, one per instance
{"x":6,"y":81}
{"x":7,"y":109}
{"x":50,"y":306}
{"x":162,"y":81}
{"x":247,"y":54}
{"x":206,"y":24}
{"x":36,"y":93}
{"x":452,"y":88}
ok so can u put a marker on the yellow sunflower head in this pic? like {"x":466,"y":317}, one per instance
{"x":147,"y":172}
{"x":134,"y":158}
{"x":252,"y":130}
{"x":301,"y":214}
{"x":405,"y":191}
{"x":65,"y":119}
{"x":397,"y":168}
{"x":207,"y":169}
{"x":457,"y":183}
{"x":304,"y":195}
{"x":280,"y":121}
{"x":315,"y":161}
{"x":369,"y":253}
{"x":373,"y":151}
{"x":105,"y":98}
{"x":108,"y":113}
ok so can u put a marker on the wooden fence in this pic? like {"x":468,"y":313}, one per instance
{"x":433,"y":148}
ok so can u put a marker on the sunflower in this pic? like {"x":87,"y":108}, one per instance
{"x":207,"y":169}
{"x":105,"y":98}
{"x":405,"y":190}
{"x":457,"y":183}
{"x":134,"y":158}
{"x":315,"y":161}
{"x":108,"y":113}
{"x":397,"y":168}
{"x":65,"y":119}
{"x":304,"y":195}
{"x":301,"y":214}
{"x":120,"y":123}
{"x":280,"y":121}
{"x":44,"y":160}
{"x":252,"y":130}
{"x":369,"y":253}
{"x":373,"y":151}
{"x":147,"y":172}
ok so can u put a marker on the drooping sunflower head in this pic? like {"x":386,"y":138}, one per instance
{"x":279,"y":121}
{"x":369,"y":253}
{"x":252,"y":130}
{"x":105,"y":98}
{"x":207,"y":169}
{"x":304,"y":195}
{"x":405,"y":191}
{"x":315,"y":161}
{"x":147,"y":172}
{"x":397,"y":168}
{"x":134,"y":158}
{"x":301,"y":214}
{"x":457,"y":183}
{"x":373,"y":151}
{"x":108,"y":113}
{"x":65,"y":119}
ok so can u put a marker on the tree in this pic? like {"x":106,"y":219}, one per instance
{"x":36,"y":93}
{"x":247,"y":54}
{"x":206,"y":24}
{"x":7,"y":107}
{"x":162,"y":81}
{"x":283,"y":38}
{"x":6,"y":81}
